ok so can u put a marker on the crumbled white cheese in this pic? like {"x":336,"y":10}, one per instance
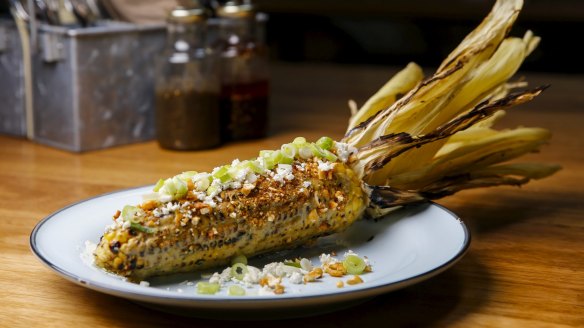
{"x":241,"y":174}
{"x":250,"y":178}
{"x":326,"y":259}
{"x":306,"y":265}
{"x":144,"y":283}
{"x":306,"y":184}
{"x":221,"y":278}
{"x":273,"y":275}
{"x":273,"y":281}
{"x":265,"y":290}
{"x":87,"y":253}
{"x":283,"y":171}
{"x":234,"y":185}
{"x":279,"y":269}
{"x":344,"y":151}
{"x":210,"y":201}
{"x":252,"y":276}
{"x":296,"y":278}
{"x":325,"y":166}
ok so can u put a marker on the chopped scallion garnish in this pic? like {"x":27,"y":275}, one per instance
{"x":238,"y":271}
{"x":158,"y":185}
{"x":325,"y":143}
{"x":239,"y":259}
{"x":207,"y":288}
{"x":354,"y":264}
{"x":139,"y":227}
{"x":235,"y":290}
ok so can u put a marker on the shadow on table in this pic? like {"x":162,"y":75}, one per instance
{"x":494,"y":211}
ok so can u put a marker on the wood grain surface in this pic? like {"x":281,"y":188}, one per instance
{"x":525,"y":267}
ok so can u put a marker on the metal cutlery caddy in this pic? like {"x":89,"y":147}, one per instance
{"x":12,"y":110}
{"x":92,"y":88}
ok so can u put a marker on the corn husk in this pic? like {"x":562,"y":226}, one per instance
{"x":438,"y":138}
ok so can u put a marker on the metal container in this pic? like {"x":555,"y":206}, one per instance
{"x":93,"y":88}
{"x":12,"y":110}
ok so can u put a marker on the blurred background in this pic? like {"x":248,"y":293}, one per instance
{"x":425,"y":31}
{"x":397,"y":31}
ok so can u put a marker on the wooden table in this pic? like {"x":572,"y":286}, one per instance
{"x":525,"y":266}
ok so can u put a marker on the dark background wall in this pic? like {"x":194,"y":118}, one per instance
{"x":394,"y":32}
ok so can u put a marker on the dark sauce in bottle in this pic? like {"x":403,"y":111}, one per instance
{"x":187,"y":119}
{"x":244,"y":110}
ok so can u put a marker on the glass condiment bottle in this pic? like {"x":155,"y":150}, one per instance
{"x":244,"y":73}
{"x":187,"y":85}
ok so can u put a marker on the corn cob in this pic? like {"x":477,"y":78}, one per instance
{"x":415,"y":139}
{"x":310,"y":199}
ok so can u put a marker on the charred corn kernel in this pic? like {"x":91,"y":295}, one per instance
{"x":336,"y":269}
{"x":355,"y":280}
{"x":313,"y":275}
{"x":122,"y":237}
{"x":278,"y":289}
{"x":117,"y":262}
{"x":109,"y":236}
{"x":340,"y":284}
{"x":149,"y":205}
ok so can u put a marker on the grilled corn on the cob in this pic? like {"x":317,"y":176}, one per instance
{"x":268,"y":212}
{"x":416,"y":139}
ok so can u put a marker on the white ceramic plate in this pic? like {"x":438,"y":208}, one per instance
{"x":404,"y":248}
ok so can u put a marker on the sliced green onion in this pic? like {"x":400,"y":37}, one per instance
{"x":279,"y":158}
{"x":325,"y":143}
{"x":187,"y":175}
{"x":329,"y":156}
{"x":292,"y":264}
{"x":235,"y":290}
{"x":299,"y":141}
{"x":288,"y":150}
{"x":158,"y":185}
{"x":239,"y":259}
{"x":254,"y":166}
{"x":212,"y":189}
{"x":316,"y":150}
{"x":266,"y":153}
{"x":268,"y":163}
{"x":207,"y":288}
{"x":305,"y":152}
{"x":139,"y":227}
{"x":238,"y":271}
{"x":286,"y":160}
{"x":129,"y":213}
{"x":354,"y":264}
{"x":180,"y":186}
{"x":169,"y":188}
{"x":223,"y":173}
{"x":202,"y":181}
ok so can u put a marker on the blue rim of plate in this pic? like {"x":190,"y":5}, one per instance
{"x":211,"y":303}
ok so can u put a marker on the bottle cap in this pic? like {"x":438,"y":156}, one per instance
{"x":236,"y":9}
{"x":191,"y":14}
